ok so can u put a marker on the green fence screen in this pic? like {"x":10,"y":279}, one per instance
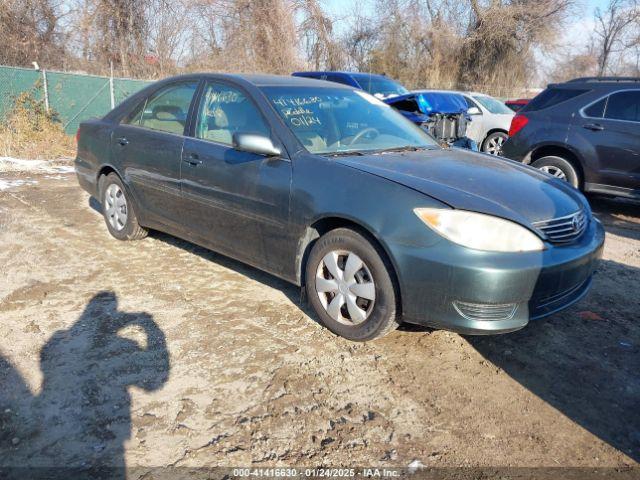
{"x":74,"y":97}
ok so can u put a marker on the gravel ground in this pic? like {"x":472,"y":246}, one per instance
{"x":158,"y":352}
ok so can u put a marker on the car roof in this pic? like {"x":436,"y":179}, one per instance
{"x":598,"y":82}
{"x":343,"y":72}
{"x":263,"y":80}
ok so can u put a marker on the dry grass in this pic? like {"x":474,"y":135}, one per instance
{"x":30,"y":132}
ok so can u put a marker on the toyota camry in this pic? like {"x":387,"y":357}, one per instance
{"x":329,"y":188}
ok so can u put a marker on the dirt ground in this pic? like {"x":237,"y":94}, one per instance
{"x":158,"y":352}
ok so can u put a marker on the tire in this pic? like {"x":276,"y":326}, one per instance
{"x":493,"y":143}
{"x":360,"y":317}
{"x":118,"y":211}
{"x":559,"y":168}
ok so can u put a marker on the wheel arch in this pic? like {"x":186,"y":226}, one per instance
{"x":331,"y":222}
{"x":558,"y":151}
{"x":104,"y":171}
{"x":491,"y":132}
{"x":107,"y":169}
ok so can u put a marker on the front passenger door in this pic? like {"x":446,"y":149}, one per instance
{"x":236,"y":202}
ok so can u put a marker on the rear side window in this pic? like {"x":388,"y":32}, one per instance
{"x":624,"y":106}
{"x":167,"y":109}
{"x":597,"y":109}
{"x":551,"y":97}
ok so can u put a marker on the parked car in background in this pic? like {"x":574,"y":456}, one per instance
{"x":441,"y":113}
{"x":327,"y":187}
{"x":517,"y":104}
{"x":490,"y":121}
{"x":379,"y":86}
{"x":585,"y":131}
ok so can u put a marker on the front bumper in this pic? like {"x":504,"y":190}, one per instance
{"x":433,"y":281}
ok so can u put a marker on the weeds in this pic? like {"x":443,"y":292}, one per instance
{"x":30,"y":132}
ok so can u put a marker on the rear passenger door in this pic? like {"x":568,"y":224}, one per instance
{"x":148,"y":146}
{"x":237,"y":202}
{"x":612,"y":126}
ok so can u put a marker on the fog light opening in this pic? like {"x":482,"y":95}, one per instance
{"x":492,"y":312}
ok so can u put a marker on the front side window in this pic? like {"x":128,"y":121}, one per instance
{"x":167,"y":109}
{"x":331,"y":121}
{"x":493,"y":105}
{"x":624,"y":106}
{"x":225,"y":110}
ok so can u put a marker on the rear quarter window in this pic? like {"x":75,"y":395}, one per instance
{"x":596,"y":110}
{"x":551,"y":97}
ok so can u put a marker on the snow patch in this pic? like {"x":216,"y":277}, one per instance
{"x":6,"y":184}
{"x":10,"y":164}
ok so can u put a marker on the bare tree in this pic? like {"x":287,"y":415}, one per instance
{"x":497,"y":50}
{"x":316,"y":32}
{"x":617,"y":31}
{"x":30,"y":31}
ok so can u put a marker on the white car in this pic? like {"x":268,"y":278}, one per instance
{"x":490,"y":121}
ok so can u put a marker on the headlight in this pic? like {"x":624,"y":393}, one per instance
{"x":479,"y":231}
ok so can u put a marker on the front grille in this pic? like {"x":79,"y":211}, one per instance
{"x":485,"y":311}
{"x":564,"y":229}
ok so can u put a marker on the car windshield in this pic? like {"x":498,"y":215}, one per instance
{"x":491,"y":104}
{"x":333,"y":121}
{"x":380,"y":87}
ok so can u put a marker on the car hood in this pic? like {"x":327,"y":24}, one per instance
{"x":475,"y":182}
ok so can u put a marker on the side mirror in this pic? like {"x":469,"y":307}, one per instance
{"x":255,"y":143}
{"x":474,"y":111}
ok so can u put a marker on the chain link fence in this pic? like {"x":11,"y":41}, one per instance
{"x":73,"y":97}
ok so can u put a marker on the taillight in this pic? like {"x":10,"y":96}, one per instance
{"x":517,"y":123}
{"x":78,"y":136}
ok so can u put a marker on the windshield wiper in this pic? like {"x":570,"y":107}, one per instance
{"x":406,"y":148}
{"x":345,"y":153}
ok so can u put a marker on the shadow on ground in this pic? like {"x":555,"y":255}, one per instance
{"x":584,"y":362}
{"x":619,"y":216}
{"x":81,"y":417}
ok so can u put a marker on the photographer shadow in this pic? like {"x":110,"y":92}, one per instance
{"x":77,"y":425}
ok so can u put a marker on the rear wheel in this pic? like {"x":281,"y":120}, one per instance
{"x":349,"y":286}
{"x":558,"y":167}
{"x":493,"y":143}
{"x":117,"y":210}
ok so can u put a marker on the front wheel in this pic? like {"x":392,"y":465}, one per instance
{"x":349,"y":286}
{"x":493,"y":143}
{"x":558,"y":167}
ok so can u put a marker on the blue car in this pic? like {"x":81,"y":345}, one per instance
{"x":442,"y":114}
{"x":377,"y":85}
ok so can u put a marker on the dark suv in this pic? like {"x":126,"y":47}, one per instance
{"x":585,"y":131}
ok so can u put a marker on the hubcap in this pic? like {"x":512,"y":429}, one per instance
{"x":554,"y":172}
{"x":115,"y":206}
{"x":494,"y":146}
{"x":345,"y":287}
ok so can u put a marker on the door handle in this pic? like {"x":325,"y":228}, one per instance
{"x":596,"y":127}
{"x":193,"y":159}
{"x":123,"y":141}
